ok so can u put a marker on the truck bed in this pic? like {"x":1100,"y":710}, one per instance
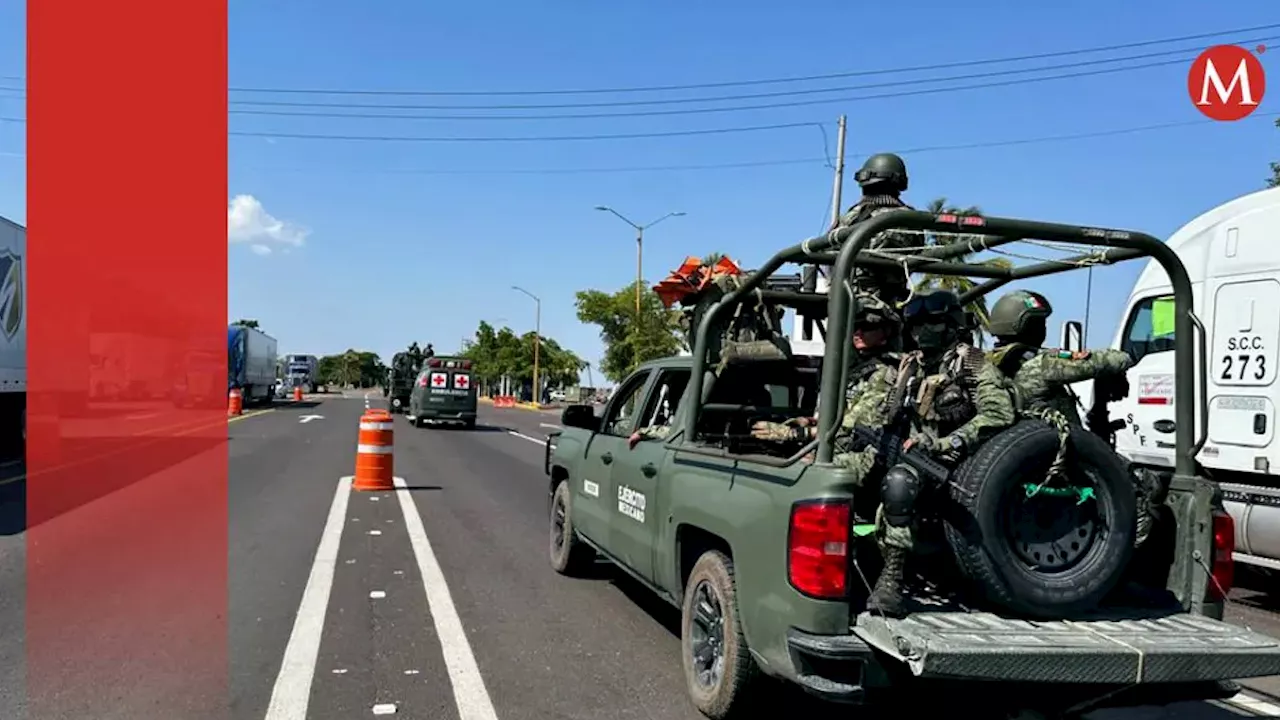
{"x":941,"y":639}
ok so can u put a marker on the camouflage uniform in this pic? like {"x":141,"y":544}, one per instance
{"x":1042,"y":376}
{"x":655,"y":432}
{"x":870,"y":381}
{"x":883,"y":178}
{"x":960,"y":401}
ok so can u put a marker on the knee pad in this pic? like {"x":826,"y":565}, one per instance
{"x":898,"y":492}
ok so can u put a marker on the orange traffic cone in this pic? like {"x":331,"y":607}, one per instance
{"x":373,"y":453}
{"x":297,"y":392}
{"x":235,"y":402}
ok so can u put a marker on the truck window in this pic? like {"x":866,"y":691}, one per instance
{"x":1149,"y":328}
{"x":664,"y":400}
{"x":627,"y":403}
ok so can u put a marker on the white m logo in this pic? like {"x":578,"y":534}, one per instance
{"x":1240,"y":78}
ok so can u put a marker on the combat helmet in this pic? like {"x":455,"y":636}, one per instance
{"x":885,"y":171}
{"x":1016,"y":313}
{"x":938,"y":303}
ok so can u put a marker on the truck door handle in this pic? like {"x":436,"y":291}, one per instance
{"x":648,"y":469}
{"x":606,"y":458}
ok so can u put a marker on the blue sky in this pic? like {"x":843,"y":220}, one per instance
{"x":406,"y":241}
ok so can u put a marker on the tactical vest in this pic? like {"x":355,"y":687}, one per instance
{"x":947,"y":398}
{"x":1010,"y":359}
{"x":888,"y":284}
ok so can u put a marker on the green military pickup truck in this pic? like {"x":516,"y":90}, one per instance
{"x":760,"y":546}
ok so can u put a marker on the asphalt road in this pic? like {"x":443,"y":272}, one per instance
{"x":435,"y":601}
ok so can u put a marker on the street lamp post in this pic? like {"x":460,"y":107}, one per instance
{"x":537,"y":338}
{"x":639,"y":246}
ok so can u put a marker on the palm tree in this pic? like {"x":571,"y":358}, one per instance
{"x":959,"y":285}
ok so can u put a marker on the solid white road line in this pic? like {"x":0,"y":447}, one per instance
{"x":549,"y":425}
{"x":292,"y":690}
{"x":469,"y":692}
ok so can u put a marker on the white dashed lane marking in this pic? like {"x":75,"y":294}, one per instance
{"x":522,"y":436}
{"x":1255,"y":706}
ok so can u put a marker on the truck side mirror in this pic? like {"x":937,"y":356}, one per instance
{"x":582,"y":417}
{"x":1072,"y":336}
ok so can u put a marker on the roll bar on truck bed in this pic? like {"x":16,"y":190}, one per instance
{"x":844,"y":249}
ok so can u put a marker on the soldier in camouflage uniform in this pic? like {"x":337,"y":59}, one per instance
{"x":1042,"y":376}
{"x":875,"y":338}
{"x":1018,"y":322}
{"x":961,"y":401}
{"x":883,"y":179}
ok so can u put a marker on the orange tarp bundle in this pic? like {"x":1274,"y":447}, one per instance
{"x":691,"y":277}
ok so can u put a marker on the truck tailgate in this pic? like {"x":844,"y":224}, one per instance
{"x":980,"y":645}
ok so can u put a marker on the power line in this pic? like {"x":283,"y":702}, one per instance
{"x":766,"y":81}
{"x":1182,"y":58}
{"x":823,"y":161}
{"x":540,"y":138}
{"x":694,"y":111}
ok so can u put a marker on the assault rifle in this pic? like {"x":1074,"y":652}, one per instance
{"x":888,"y":441}
{"x":1106,"y":389}
{"x":889,"y":452}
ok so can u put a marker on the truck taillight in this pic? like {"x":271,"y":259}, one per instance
{"x":818,"y":548}
{"x":433,"y":362}
{"x":1223,"y":568}
{"x":466,"y":364}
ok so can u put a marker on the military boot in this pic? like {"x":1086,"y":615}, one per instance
{"x":887,"y":596}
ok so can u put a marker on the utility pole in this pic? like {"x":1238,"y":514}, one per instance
{"x":537,"y":339}
{"x":839,"y":181}
{"x":639,"y":247}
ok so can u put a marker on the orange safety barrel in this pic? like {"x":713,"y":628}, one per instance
{"x":235,"y":402}
{"x":374,"y":465}
{"x":297,"y":392}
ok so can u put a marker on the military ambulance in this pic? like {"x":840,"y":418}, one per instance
{"x":443,"y":393}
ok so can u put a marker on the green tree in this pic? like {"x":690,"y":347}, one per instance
{"x":496,"y":353}
{"x":248,"y":323}
{"x":359,"y":368}
{"x":958,"y":285}
{"x":629,"y":343}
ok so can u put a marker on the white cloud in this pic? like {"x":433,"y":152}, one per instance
{"x":248,"y":221}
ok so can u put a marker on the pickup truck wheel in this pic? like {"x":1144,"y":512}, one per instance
{"x":1042,"y":549}
{"x":569,"y":555}
{"x":718,"y":667}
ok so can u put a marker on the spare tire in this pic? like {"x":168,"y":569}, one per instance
{"x":1042,"y":550}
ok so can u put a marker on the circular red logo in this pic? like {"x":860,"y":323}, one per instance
{"x":1226,"y":82}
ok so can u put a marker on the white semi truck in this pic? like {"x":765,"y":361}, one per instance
{"x":301,"y":371}
{"x":1233,"y":259}
{"x":13,"y":336}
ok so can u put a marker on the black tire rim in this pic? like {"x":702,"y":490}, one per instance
{"x":706,"y":636}
{"x":1056,"y":530}
{"x":559,"y":521}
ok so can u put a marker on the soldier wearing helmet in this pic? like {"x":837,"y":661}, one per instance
{"x":876,"y":338}
{"x":883,"y":179}
{"x":1018,"y":322}
{"x":961,"y":401}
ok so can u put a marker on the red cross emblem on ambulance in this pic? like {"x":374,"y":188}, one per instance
{"x":461,"y":382}
{"x":439,"y":380}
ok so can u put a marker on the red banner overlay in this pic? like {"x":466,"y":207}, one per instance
{"x":127,"y":441}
